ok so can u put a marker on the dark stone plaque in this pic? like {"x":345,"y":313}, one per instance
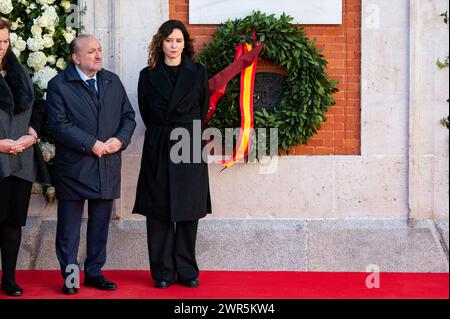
{"x":268,"y":90}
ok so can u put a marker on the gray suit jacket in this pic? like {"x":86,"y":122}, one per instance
{"x":17,"y":99}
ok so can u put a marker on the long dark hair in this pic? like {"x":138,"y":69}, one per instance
{"x":155,"y":51}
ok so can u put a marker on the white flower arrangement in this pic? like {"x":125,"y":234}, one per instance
{"x":48,"y":151}
{"x":61,"y":64}
{"x":37,"y":38}
{"x":43,"y":76}
{"x":36,"y":30}
{"x":51,"y":60}
{"x":37,"y":60}
{"x":37,"y":189}
{"x":43,"y":2}
{"x":35,"y":43}
{"x":20,"y":44}
{"x":69,"y":34}
{"x":48,"y":41}
{"x":66,"y":5}
{"x":49,"y":17}
{"x":17,"y":24}
{"x":6,"y":6}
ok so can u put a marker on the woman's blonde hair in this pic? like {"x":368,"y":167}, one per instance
{"x":155,"y":51}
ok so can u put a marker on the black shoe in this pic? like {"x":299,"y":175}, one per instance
{"x":162,"y":284}
{"x":11,"y":289}
{"x":99,"y":282}
{"x":69,"y":291}
{"x":193,"y":283}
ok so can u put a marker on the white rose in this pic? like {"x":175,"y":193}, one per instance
{"x":61,"y":64}
{"x":48,"y":151}
{"x":51,"y":59}
{"x":43,"y":76}
{"x":17,"y":24}
{"x":36,"y":30}
{"x":51,"y":31}
{"x":69,"y":36}
{"x":36,"y":43}
{"x":48,"y":41}
{"x":37,"y":189}
{"x":16,"y":52}
{"x":43,"y":21}
{"x":43,"y":2}
{"x":66,"y":4}
{"x":6,"y":6}
{"x":12,"y":38}
{"x":27,"y":11}
{"x":37,"y":60}
{"x":20,"y":44}
{"x":32,"y":6}
{"x":48,"y":19}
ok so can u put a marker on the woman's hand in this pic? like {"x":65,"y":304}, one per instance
{"x":6,"y":145}
{"x":22,"y":144}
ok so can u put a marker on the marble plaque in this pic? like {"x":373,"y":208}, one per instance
{"x":303,"y":11}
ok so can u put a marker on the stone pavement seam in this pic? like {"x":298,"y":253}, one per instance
{"x":440,"y":242}
{"x":36,"y":247}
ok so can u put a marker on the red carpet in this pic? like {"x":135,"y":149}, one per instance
{"x":247,"y":285}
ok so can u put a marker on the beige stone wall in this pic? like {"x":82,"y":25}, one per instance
{"x":402,"y":171}
{"x":428,"y":142}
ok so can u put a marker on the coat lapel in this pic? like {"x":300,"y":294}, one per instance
{"x":72,"y":76}
{"x":160,"y":81}
{"x":102,"y":84}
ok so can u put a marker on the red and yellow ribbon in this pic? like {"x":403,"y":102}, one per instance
{"x":246,"y":104}
{"x":245,"y":62}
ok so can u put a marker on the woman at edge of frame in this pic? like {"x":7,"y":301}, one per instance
{"x":22,"y":116}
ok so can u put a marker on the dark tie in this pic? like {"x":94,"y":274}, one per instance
{"x":91,"y":83}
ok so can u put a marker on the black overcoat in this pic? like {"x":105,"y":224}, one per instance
{"x":77,"y":119}
{"x":170,"y":188}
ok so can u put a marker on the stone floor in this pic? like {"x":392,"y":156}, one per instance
{"x":297,"y":245}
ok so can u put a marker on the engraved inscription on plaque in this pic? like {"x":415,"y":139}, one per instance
{"x":268,"y":90}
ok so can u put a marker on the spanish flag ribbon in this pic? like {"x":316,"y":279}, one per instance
{"x":245,"y":63}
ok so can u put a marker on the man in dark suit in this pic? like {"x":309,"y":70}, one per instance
{"x":92,"y":121}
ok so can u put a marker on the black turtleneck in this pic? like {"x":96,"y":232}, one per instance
{"x":172,"y":72}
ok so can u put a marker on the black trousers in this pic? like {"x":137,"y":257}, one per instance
{"x":10,"y":238}
{"x":70,"y":213}
{"x":15,"y":196}
{"x":172,"y":249}
{"x":14,"y":201}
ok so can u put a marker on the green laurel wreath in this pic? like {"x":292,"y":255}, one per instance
{"x":307,"y":93}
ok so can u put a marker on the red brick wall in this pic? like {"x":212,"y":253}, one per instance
{"x":341,"y":45}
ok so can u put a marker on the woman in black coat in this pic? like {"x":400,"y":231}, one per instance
{"x":21,"y":162}
{"x":173,"y":186}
